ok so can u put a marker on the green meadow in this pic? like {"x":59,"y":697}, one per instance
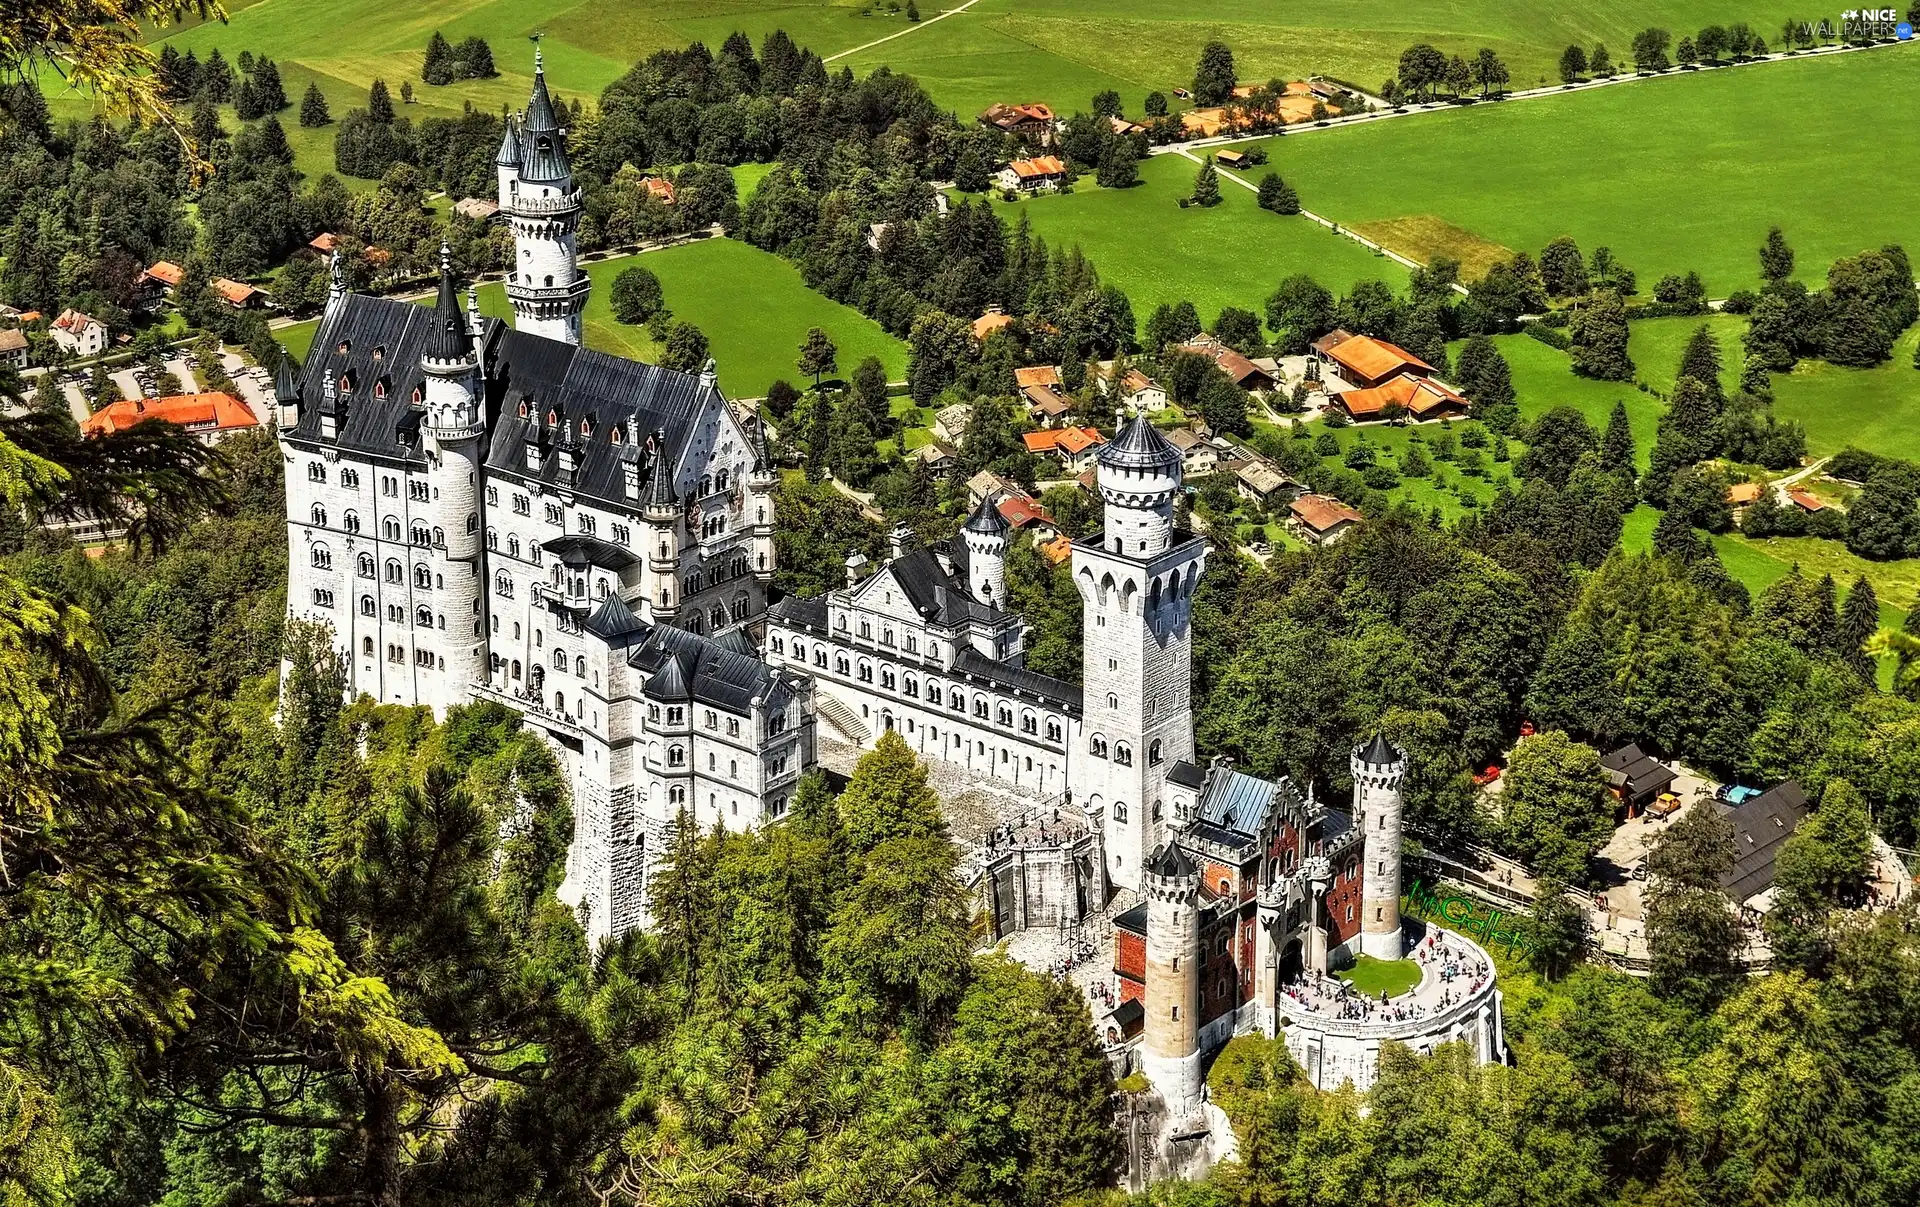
{"x":1681,"y":173}
{"x":1232,"y":254}
{"x":752,"y":306}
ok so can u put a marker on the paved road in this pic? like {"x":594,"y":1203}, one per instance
{"x":903,"y":33}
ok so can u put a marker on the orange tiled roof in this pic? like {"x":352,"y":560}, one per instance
{"x":1742,"y":493}
{"x":990,"y":322}
{"x":1036,"y":375}
{"x":1057,"y":550}
{"x":31,"y":316}
{"x":166,"y":272}
{"x":1375,"y":358}
{"x":1321,"y":513}
{"x":220,"y":411}
{"x":659,"y":187}
{"x":324,"y":242}
{"x":235,"y":293}
{"x":1805,"y":500}
{"x":1074,"y":440}
{"x":1020,"y":511}
{"x":1039,"y":165}
{"x":1006,"y":116}
{"x":1419,"y":395}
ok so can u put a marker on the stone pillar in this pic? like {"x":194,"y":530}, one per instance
{"x":1379,"y":768}
{"x":1170,"y":1047}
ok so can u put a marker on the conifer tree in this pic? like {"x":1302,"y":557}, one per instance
{"x":1859,"y":621}
{"x":1776,"y":258}
{"x":438,"y":66}
{"x":1277,"y":195}
{"x":1616,"y":443}
{"x":1599,"y":337}
{"x":1206,"y":184}
{"x":380,"y":103}
{"x":1701,"y":361}
{"x":313,"y":108}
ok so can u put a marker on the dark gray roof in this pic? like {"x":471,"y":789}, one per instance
{"x":448,"y":338}
{"x":801,"y":613}
{"x":577,"y":550}
{"x":612,"y":395}
{"x":286,"y":379}
{"x":1187,"y":775}
{"x":1219,"y":836}
{"x":660,"y":481}
{"x":987,"y":519}
{"x":1334,"y":823}
{"x":1634,"y":772}
{"x":1134,"y":919}
{"x":1237,"y":801}
{"x":1169,"y":860}
{"x":1058,"y":692}
{"x":710,"y":670}
{"x":614,"y":620}
{"x":1760,"y":826}
{"x":1139,"y":446}
{"x":543,"y":147}
{"x":509,"y":154}
{"x":1380,"y":752}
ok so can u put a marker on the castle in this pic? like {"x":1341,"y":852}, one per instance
{"x":478,"y":511}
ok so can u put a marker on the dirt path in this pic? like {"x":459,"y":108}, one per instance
{"x":961,"y":8}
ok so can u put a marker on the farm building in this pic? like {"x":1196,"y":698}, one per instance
{"x":1247,"y":375}
{"x":1040,"y":174}
{"x":238,"y":294}
{"x":1365,"y":362}
{"x":1033,"y":121}
{"x":1414,"y":397}
{"x":1321,"y":519}
{"x":210,"y":417}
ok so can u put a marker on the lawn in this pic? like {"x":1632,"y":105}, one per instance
{"x":1684,"y":172}
{"x":751,"y":305}
{"x":1656,"y":344}
{"x":1234,"y":253}
{"x":1543,"y":379}
{"x":1876,"y":409}
{"x":1370,"y":976}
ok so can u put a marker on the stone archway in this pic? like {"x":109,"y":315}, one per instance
{"x":1292,"y":962}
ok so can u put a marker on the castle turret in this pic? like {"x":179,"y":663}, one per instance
{"x":1170,"y":1040}
{"x":454,"y":424}
{"x":506,"y":164}
{"x":986,"y":537}
{"x":762,"y":479}
{"x":542,"y":204}
{"x":1136,"y":582}
{"x":662,"y":515}
{"x":286,"y":391}
{"x":1379,"y":768}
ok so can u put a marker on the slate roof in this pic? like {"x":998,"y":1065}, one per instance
{"x":620,"y":401}
{"x":1134,"y":920}
{"x":1140,"y":446}
{"x":802,"y":613}
{"x":1635,"y":772}
{"x":1380,"y":752}
{"x":448,"y":339}
{"x":1760,"y":827}
{"x":682,"y":665}
{"x":1170,"y":860}
{"x":543,"y":151}
{"x":577,"y":550}
{"x":613,"y":620}
{"x":1238,"y":802}
{"x":987,"y":519}
{"x":975,"y":665}
{"x":1187,"y":775}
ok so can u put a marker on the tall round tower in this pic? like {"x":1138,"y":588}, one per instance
{"x":662,"y":513}
{"x":1170,"y":1042}
{"x":455,"y":423}
{"x":542,"y":203}
{"x":1139,"y":476}
{"x":1379,"y":768}
{"x":986,"y":537}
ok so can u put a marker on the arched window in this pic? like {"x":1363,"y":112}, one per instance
{"x":739,"y":608}
{"x":366,"y":606}
{"x":423,"y":618}
{"x":365,"y":565}
{"x":559,"y":659}
{"x":316,"y":472}
{"x":580,"y":665}
{"x":350,"y":478}
{"x":1098,"y":747}
{"x":1028,"y":723}
{"x":956,"y":699}
{"x":366,"y":647}
{"x":503,"y":584}
{"x":1053,"y":730}
{"x":1123,"y":754}
{"x":351,"y":521}
{"x":493,"y":539}
{"x":1153,"y":753}
{"x":422,"y":535}
{"x":322,"y":557}
{"x":1113,"y":700}
{"x":319,"y":516}
{"x":1004,"y":715}
{"x":423,"y":577}
{"x":1120,"y":811}
{"x":913,"y":687}
{"x":439,"y":539}
{"x":720,"y":480}
{"x":394,"y":573}
{"x":886,"y":680}
{"x":840,"y":664}
{"x":866,"y":671}
{"x":676,"y":756}
{"x":513,"y":546}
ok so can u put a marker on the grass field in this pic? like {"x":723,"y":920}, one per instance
{"x":1876,"y":409}
{"x":1234,"y":253}
{"x":751,"y":305}
{"x":1370,"y":976}
{"x":1685,"y":172}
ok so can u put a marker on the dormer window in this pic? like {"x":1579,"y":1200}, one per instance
{"x":523,"y":408}
{"x":553,"y":417}
{"x":418,"y":395}
{"x":586,"y":426}
{"x":380,"y":388}
{"x":615,"y":435}
{"x":346,"y":382}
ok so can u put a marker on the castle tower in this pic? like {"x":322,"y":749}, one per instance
{"x":1136,"y":582}
{"x":455,"y":423}
{"x":762,"y":479}
{"x":986,"y":536}
{"x":1170,"y":1040}
{"x":662,"y":514}
{"x":541,"y":202}
{"x":1378,"y":771}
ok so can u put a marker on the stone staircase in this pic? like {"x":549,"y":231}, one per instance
{"x":838,"y":715}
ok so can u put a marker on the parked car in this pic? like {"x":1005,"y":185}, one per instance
{"x":1483,"y":778}
{"x":1665,"y":805}
{"x":1734,"y":794}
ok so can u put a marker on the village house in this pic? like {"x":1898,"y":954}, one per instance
{"x":995,"y":319}
{"x":1228,"y":158}
{"x":477,"y":209}
{"x":1030,"y":121}
{"x":1199,"y":454}
{"x":1260,"y":481}
{"x":938,"y":456}
{"x":950,"y":422}
{"x":1041,"y":174}
{"x":1123,"y":127}
{"x":1321,"y":519}
{"x":1805,"y":500}
{"x":1057,"y":550}
{"x":1073,"y":447}
{"x":659,"y":188}
{"x":158,"y":282}
{"x":1743,"y":494}
{"x":989,"y":487}
{"x":210,"y":417}
{"x":13,"y":347}
{"x":79,"y":334}
{"x":238,"y":294}
{"x":1405,"y":396}
{"x":322,"y":245}
{"x":1363,"y":362}
{"x":1245,"y":374}
{"x":1045,"y":408}
{"x":1024,"y":514}
{"x":1142,"y":393}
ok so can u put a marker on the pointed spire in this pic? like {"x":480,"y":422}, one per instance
{"x":509,"y":154}
{"x":986,"y":519}
{"x":286,"y":380}
{"x":449,"y":339}
{"x":660,"y":489}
